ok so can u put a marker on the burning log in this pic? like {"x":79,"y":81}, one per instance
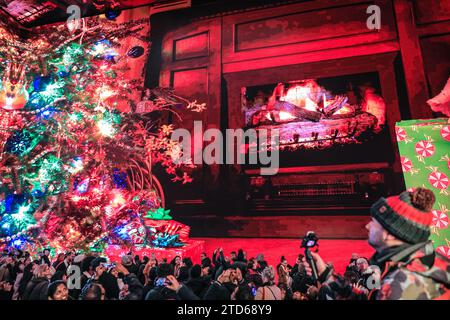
{"x":334,"y":106}
{"x":297,"y":112}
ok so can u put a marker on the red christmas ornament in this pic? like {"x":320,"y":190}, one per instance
{"x":425,"y":148}
{"x":440,"y":219}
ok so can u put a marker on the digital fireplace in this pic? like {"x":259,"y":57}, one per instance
{"x":336,"y":134}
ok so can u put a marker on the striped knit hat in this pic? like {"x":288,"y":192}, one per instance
{"x":406,"y":216}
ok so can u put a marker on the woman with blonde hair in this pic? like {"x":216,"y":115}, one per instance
{"x":268,"y":291}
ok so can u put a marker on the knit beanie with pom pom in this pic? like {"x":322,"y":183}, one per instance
{"x":407,"y":216}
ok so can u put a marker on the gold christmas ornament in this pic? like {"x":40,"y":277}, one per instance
{"x":13,"y":93}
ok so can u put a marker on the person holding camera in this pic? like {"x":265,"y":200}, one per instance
{"x":161,"y":290}
{"x":410,"y":268}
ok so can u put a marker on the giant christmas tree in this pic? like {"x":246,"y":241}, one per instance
{"x":76,"y":152}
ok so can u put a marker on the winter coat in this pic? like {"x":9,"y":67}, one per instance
{"x":147,"y":288}
{"x":6,"y":295}
{"x":6,"y":273}
{"x":75,"y":293}
{"x":206,"y":262}
{"x":16,"y":286}
{"x":161,"y":293}
{"x":109,"y":282}
{"x":199,"y":285}
{"x":132,"y":268}
{"x":301,"y":281}
{"x":217,"y":291}
{"x":132,"y":280}
{"x":242,"y":265}
{"x":26,"y":278}
{"x":268,"y":293}
{"x":62,"y":266}
{"x":184,"y":293}
{"x":254,"y":277}
{"x":412,"y":272}
{"x":220,"y":262}
{"x":36,"y":289}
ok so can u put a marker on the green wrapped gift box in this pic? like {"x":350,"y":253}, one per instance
{"x":424,"y":147}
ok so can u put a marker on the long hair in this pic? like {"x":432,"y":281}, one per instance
{"x":41,"y":271}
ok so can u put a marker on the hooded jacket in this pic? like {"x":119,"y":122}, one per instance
{"x":36,"y":289}
{"x":199,"y":285}
{"x":412,"y":272}
{"x":218,"y":291}
{"x":109,"y":282}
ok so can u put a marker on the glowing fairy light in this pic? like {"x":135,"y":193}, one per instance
{"x":103,"y":48}
{"x":118,"y":199}
{"x":109,"y":211}
{"x":99,"y":48}
{"x":50,"y":168}
{"x":76,"y":116}
{"x":106,"y":128}
{"x":9,"y":101}
{"x":23,"y":210}
{"x":76,"y":165}
{"x":18,"y":242}
{"x":72,"y":53}
{"x":105,"y":93}
{"x":52,"y":90}
{"x":21,"y":213}
{"x":83,"y":186}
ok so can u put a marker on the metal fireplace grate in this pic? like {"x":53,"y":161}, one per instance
{"x":318,"y":189}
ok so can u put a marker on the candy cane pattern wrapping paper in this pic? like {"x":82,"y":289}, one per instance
{"x":424,"y":147}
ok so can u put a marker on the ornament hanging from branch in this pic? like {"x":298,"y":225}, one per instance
{"x":13,"y":94}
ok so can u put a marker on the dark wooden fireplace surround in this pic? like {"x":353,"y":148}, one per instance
{"x":210,"y":58}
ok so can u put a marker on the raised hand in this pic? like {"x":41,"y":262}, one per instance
{"x":172,"y":283}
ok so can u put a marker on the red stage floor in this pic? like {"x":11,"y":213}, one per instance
{"x":337,"y":251}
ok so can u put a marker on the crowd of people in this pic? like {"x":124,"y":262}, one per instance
{"x":219,"y":277}
{"x":405,"y":266}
